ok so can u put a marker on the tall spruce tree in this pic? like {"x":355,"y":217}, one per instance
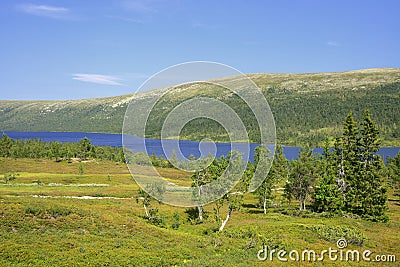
{"x":393,"y":169}
{"x":347,"y":156}
{"x":373,"y":191}
{"x":5,"y":145}
{"x":327,"y":195}
{"x":85,"y":148}
{"x":360,"y":170}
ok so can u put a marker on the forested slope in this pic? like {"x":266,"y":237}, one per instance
{"x":306,"y":107}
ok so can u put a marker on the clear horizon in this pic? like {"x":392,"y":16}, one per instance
{"x":58,"y":50}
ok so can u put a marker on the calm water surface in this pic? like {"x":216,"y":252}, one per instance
{"x":154,"y":146}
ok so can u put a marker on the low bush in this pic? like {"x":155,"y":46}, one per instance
{"x":334,"y":233}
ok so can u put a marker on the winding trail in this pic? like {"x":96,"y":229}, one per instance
{"x":71,"y":197}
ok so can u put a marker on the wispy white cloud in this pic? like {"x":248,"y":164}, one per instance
{"x":125,"y":19}
{"x":332,"y":43}
{"x":55,"y":12}
{"x":97,"y":78}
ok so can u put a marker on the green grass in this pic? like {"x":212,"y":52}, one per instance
{"x":113,"y":232}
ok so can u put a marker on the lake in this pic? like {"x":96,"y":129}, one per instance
{"x":154,"y":146}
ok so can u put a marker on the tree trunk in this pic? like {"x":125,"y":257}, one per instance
{"x":226,"y":219}
{"x":302,"y":204}
{"x":200,"y":208}
{"x":145,"y":210}
{"x":265,"y":205}
{"x":217,"y":209}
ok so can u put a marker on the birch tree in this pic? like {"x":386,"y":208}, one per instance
{"x":233,"y":198}
{"x":302,"y":176}
{"x":278,"y":172}
{"x":201,"y":178}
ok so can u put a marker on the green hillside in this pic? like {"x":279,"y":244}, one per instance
{"x":306,"y":107}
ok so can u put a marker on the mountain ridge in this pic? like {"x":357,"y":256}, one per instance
{"x":306,"y":106}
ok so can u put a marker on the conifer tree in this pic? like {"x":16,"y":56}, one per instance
{"x":327,"y":195}
{"x":393,"y":168}
{"x":85,"y":148}
{"x":5,"y":145}
{"x":370,"y":176}
{"x":361,"y":169}
{"x":348,"y":158}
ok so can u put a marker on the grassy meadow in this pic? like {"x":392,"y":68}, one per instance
{"x":47,"y":219}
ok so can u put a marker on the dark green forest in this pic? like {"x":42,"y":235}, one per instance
{"x":71,"y":151}
{"x":300,"y":118}
{"x":37,"y":149}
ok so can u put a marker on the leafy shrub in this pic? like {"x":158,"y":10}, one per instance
{"x":333,"y":233}
{"x":156,"y":218}
{"x":176,"y":220}
{"x":210,"y":231}
{"x":271,"y":241}
{"x":193,"y":215}
{"x":44,"y":212}
{"x":33,"y":210}
{"x":240,"y":233}
{"x":10,"y":177}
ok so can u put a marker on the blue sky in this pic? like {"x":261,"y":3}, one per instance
{"x":71,"y":49}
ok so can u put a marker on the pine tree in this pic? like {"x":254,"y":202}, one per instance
{"x":173,"y":160}
{"x":85,"y":148}
{"x":288,"y":192}
{"x":373,"y":192}
{"x":5,"y":145}
{"x":348,"y":159}
{"x":327,"y":195}
{"x":393,"y":168}
{"x":55,"y":150}
{"x":361,"y":169}
{"x":80,"y":169}
{"x":280,"y":166}
{"x":145,"y":199}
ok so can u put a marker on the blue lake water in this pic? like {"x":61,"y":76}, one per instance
{"x":154,"y":146}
